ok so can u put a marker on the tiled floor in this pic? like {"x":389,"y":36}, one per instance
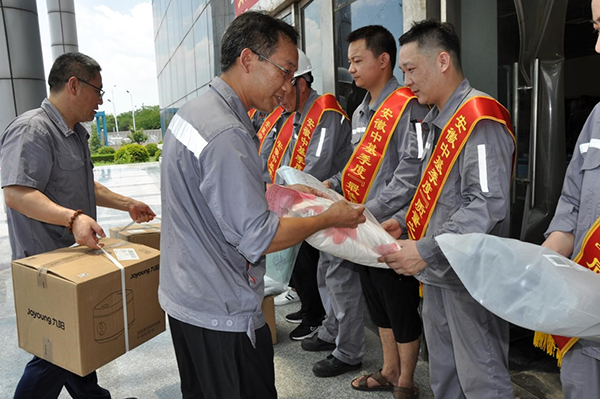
{"x":150,"y":371}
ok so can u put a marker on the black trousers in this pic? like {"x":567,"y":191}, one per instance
{"x":304,"y":280}
{"x":44,"y":380}
{"x":223,"y":365}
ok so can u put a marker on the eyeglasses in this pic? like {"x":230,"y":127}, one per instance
{"x":287,"y":72}
{"x":100,"y":91}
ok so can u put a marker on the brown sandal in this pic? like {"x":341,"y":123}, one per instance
{"x":405,"y":393}
{"x":363,"y":385}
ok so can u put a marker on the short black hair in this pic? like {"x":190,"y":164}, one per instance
{"x":430,"y":34}
{"x":378,"y":40}
{"x":69,"y":65}
{"x":254,"y":30}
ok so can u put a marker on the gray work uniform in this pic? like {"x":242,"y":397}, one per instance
{"x":577,"y":210}
{"x":215,"y":223}
{"x":330,"y":146}
{"x":38,"y":150}
{"x":390,"y":191}
{"x":468,"y":344}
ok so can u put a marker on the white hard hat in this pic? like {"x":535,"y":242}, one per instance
{"x":304,"y":65}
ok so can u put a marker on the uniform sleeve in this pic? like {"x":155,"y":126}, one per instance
{"x":232,"y":184}
{"x":567,"y":209}
{"x":482,"y":190}
{"x":397,"y":195}
{"x":26,"y":157}
{"x":329,"y":146}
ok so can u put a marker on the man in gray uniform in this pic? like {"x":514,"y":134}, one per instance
{"x":468,"y":345}
{"x":326,"y":154}
{"x":51,"y":195}
{"x":577,"y":210}
{"x":216,"y":227}
{"x":392,"y":301}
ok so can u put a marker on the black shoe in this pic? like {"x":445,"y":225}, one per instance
{"x":331,"y":367}
{"x":316,"y":344}
{"x":294,"y":318}
{"x":303,"y":331}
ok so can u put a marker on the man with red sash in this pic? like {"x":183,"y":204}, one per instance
{"x":382,"y":126}
{"x":315,"y":139}
{"x":574,"y":231}
{"x":464,"y":188}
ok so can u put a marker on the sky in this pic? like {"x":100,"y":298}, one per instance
{"x":119,"y":34}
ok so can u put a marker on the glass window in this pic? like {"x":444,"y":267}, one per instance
{"x":202,"y":53}
{"x":186,"y":16}
{"x":198,"y":7}
{"x":288,"y":18}
{"x":190,"y":63}
{"x":349,"y":16}
{"x":311,"y":39}
{"x":181,"y":70}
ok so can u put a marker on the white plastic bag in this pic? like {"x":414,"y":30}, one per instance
{"x":362,"y":245}
{"x":280,"y":264}
{"x":528,"y":285}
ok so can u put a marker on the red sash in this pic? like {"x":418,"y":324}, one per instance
{"x":326,"y":102}
{"x":588,"y":257}
{"x":280,"y":146}
{"x":361,"y":169}
{"x":251,"y":113}
{"x":267,"y":125}
{"x":452,"y":140}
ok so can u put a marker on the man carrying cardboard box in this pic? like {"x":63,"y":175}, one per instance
{"x":51,"y":195}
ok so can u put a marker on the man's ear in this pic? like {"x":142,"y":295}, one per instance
{"x":444,"y":61}
{"x":384,"y":60}
{"x":302,"y":85}
{"x":245,"y":59}
{"x":72,"y":84}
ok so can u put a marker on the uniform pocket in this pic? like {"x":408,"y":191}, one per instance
{"x":70,"y":162}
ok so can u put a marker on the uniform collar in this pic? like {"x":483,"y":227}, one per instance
{"x":233,"y":101}
{"x":439,"y":119}
{"x":57,"y":118}
{"x":389,"y":87}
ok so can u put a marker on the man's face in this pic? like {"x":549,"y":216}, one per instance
{"x":596,"y":17}
{"x":273,"y":83}
{"x":288,"y":102}
{"x":364,"y":67}
{"x":89,"y":98}
{"x":419,"y":72}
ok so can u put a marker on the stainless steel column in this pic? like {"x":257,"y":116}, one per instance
{"x":22,"y":83}
{"x":63,"y":29}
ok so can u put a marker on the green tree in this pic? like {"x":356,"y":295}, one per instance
{"x":94,"y":142}
{"x":138,"y":136}
{"x":148,"y":117}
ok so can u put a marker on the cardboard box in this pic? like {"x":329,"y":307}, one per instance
{"x":145,"y":234}
{"x":69,"y":303}
{"x":268,"y":308}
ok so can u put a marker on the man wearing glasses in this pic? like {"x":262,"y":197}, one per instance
{"x":216,"y":226}
{"x":51,"y":195}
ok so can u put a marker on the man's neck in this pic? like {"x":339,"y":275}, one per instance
{"x":63,"y":110}
{"x":237,"y":88}
{"x":449,"y":89}
{"x":376,"y":90}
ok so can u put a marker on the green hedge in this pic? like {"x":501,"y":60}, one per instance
{"x":131,"y":153}
{"x":152,"y":148}
{"x":106,"y":150}
{"x":103,"y":157}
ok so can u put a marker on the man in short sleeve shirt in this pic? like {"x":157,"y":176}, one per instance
{"x":51,"y":195}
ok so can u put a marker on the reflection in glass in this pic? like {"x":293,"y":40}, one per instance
{"x":349,"y":16}
{"x":311,"y":37}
